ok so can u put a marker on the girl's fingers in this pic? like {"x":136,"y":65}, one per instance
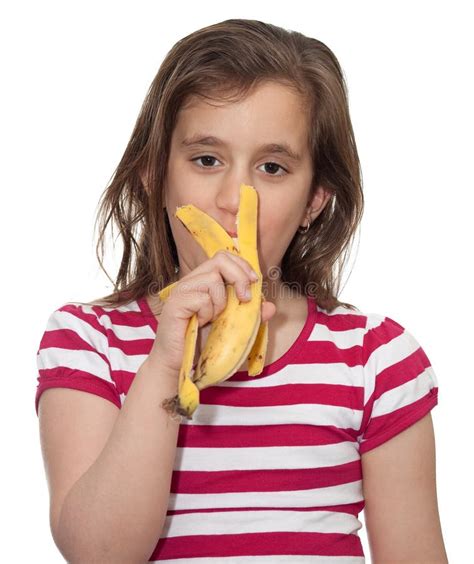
{"x":242,"y":262}
{"x":208,"y":265}
{"x":210,"y":284}
{"x":226,"y":270}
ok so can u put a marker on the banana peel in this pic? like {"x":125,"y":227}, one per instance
{"x":238,"y":332}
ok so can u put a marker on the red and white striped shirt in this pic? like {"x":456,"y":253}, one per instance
{"x":269,"y":468}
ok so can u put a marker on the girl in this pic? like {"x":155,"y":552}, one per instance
{"x":272,"y":468}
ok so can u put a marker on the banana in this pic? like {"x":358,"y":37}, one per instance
{"x":238,"y":331}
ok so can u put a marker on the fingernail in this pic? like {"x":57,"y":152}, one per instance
{"x":254,"y":275}
{"x":247,"y":295}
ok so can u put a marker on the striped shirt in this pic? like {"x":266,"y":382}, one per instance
{"x":269,"y":468}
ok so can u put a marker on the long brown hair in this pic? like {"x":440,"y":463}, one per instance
{"x":240,"y":54}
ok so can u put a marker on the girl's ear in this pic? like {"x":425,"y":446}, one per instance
{"x":318,"y":203}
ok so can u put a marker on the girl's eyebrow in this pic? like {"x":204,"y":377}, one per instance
{"x":210,"y":140}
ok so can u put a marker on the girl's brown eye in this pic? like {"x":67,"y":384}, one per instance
{"x":205,"y":158}
{"x":275,"y":166}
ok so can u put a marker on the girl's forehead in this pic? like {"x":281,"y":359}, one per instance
{"x":268,"y":115}
{"x":232,"y":96}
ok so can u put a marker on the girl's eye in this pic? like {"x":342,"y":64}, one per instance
{"x":205,"y":158}
{"x":273,"y":166}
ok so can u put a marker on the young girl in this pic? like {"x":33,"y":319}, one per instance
{"x":271,"y":468}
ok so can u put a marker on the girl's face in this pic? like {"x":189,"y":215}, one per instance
{"x":251,"y":142}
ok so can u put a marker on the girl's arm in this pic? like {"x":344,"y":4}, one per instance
{"x":116,"y":510}
{"x":401,"y":511}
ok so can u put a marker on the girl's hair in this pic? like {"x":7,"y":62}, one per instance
{"x":225,"y":62}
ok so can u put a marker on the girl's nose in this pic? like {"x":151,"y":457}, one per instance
{"x":228,"y":193}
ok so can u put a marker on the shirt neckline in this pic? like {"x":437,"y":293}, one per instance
{"x":290,"y":356}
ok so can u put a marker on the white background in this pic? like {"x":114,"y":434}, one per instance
{"x":74,"y":75}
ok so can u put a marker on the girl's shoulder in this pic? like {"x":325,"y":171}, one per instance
{"x":374,"y":337}
{"x":135,"y":313}
{"x":383,"y":361}
{"x":93,"y":348}
{"x":344,"y":317}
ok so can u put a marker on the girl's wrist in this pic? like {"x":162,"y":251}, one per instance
{"x":159,"y":371}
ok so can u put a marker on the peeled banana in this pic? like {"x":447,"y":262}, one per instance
{"x":238,"y":332}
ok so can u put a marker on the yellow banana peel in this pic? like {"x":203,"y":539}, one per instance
{"x":238,"y":332}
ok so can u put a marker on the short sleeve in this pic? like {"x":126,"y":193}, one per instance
{"x":400,"y":385}
{"x":74,"y":353}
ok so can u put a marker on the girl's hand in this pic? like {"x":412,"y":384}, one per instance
{"x":203,"y":292}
